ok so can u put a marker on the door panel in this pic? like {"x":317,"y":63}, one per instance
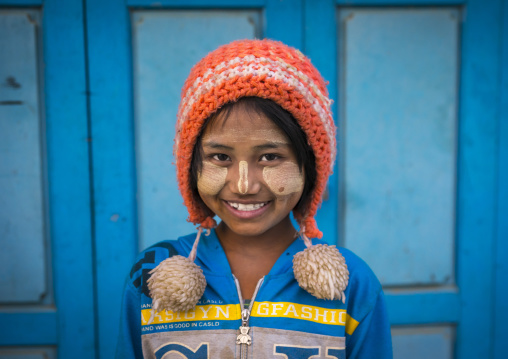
{"x":46,"y":300}
{"x":398,"y":120}
{"x":25,"y":266}
{"x":23,"y":258}
{"x":159,"y":75}
{"x":467,"y":229}
{"x":501,"y":264}
{"x":28,"y":353}
{"x":427,"y":342}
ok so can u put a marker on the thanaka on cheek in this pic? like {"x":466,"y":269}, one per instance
{"x":212,"y":178}
{"x":284,"y":179}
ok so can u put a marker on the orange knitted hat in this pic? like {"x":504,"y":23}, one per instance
{"x":260,"y":68}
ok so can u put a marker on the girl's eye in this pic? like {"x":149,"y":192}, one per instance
{"x":221,"y":157}
{"x":269,"y":157}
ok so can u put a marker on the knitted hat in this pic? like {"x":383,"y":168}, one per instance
{"x":274,"y":71}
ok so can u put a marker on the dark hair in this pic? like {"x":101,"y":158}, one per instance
{"x":286,"y":122}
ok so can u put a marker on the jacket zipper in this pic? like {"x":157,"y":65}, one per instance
{"x":244,"y":339}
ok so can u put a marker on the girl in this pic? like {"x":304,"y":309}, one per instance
{"x":255,"y":141}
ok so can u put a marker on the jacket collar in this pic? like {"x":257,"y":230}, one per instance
{"x":212,"y":258}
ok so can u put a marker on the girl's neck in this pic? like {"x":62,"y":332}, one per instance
{"x":276,"y":239}
{"x":252,"y":257}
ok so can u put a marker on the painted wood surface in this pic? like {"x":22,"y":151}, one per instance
{"x":198,"y":4}
{"x":28,"y":353}
{"x":57,"y":321}
{"x":399,"y":3}
{"x":23,"y":265}
{"x":114,"y":177}
{"x":40,"y":355}
{"x":67,"y":154}
{"x":476,"y":188}
{"x":28,"y":326}
{"x":284,"y":21}
{"x":320,"y":45}
{"x":398,"y":133}
{"x":410,"y":307}
{"x":426,"y":342}
{"x":20,"y":3}
{"x":67,"y":158}
{"x":501,"y":250}
{"x":398,"y":121}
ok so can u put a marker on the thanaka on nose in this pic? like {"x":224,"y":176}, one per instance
{"x":243,"y":174}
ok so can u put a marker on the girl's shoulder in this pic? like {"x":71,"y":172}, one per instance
{"x":364,"y":289}
{"x":363,"y":285}
{"x":168,"y":248}
{"x":358,"y":268}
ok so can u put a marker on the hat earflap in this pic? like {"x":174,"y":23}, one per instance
{"x":177,"y":283}
{"x":321,"y":270}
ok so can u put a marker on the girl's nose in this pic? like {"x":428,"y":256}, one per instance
{"x":245,"y":181}
{"x":243,"y":177}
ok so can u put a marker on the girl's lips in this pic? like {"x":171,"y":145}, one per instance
{"x":247,"y":211}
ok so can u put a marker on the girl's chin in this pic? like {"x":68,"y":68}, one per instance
{"x":259,"y":228}
{"x":242,"y":229}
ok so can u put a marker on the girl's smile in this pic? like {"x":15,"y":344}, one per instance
{"x":247,"y":210}
{"x":249,"y":176}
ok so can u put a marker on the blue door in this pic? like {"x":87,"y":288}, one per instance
{"x":419,"y":176}
{"x":46,"y":260}
{"x":87,"y":111}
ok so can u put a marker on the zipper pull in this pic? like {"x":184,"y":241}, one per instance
{"x":244,"y":337}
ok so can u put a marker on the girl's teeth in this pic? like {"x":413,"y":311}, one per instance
{"x":246,"y":207}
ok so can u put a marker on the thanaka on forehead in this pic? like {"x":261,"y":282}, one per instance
{"x":239,"y":135}
{"x":267,"y":145}
{"x":236,"y":112}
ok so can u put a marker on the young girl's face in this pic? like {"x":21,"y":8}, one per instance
{"x":249,"y":177}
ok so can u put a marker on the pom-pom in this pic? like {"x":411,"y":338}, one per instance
{"x":176,"y":284}
{"x":322,"y":271}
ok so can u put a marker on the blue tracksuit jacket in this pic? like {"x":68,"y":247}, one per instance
{"x":284,"y":320}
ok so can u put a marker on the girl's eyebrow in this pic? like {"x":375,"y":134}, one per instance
{"x":264,"y":146}
{"x":272,"y":145}
{"x":216,"y":145}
